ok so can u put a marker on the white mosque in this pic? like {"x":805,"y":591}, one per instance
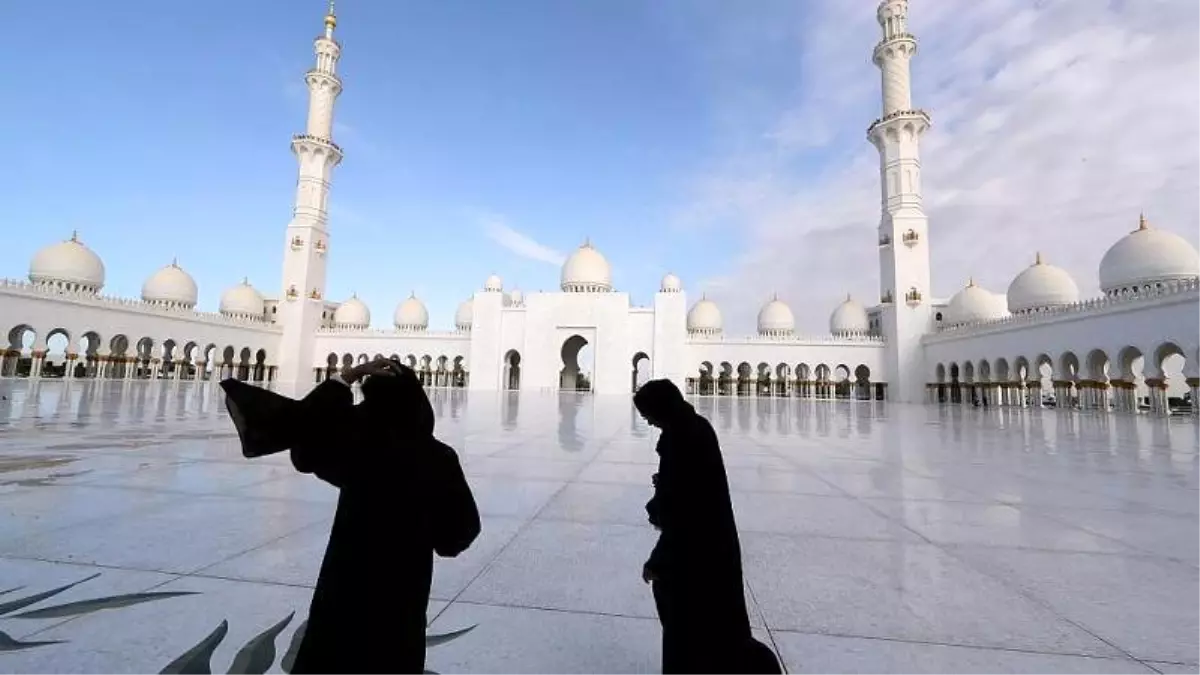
{"x":1108,"y":353}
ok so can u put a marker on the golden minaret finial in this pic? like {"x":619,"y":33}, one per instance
{"x":1038,"y":258}
{"x":1142,"y":224}
{"x":330,"y":20}
{"x":970,"y":281}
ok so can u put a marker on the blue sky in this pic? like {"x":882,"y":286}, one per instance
{"x":722,"y":141}
{"x":161,"y":129}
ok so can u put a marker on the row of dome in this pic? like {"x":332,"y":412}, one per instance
{"x":73,"y":266}
{"x":776,"y":319}
{"x":1144,"y":259}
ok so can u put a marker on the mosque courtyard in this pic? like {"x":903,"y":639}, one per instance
{"x":875,"y":538}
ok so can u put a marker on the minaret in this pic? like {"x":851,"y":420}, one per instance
{"x":307,"y":242}
{"x":903,"y":229}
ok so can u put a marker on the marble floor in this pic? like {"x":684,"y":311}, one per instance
{"x":875,"y":539}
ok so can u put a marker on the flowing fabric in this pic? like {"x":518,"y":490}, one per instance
{"x":403,"y":496}
{"x":697,"y":562}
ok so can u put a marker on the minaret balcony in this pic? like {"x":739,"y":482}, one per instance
{"x":308,"y":141}
{"x":910,"y":238}
{"x":916,"y":114}
{"x":901,"y":43}
{"x":913,"y":297}
{"x":317,"y":140}
{"x":885,"y":240}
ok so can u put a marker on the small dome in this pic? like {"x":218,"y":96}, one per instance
{"x":465,"y":314}
{"x":352,"y":313}
{"x":516,"y":298}
{"x":242,"y":300}
{"x":671,"y":284}
{"x":973,"y":304}
{"x":69,"y":265}
{"x":1041,"y":286}
{"x":411,"y":314}
{"x":170,"y":286}
{"x":586,"y":271}
{"x":775,"y":318}
{"x":1147,"y":256}
{"x":493,"y":284}
{"x":850,"y":318}
{"x":704,"y":318}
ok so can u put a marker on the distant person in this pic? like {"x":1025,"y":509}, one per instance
{"x":402,"y":497}
{"x":695,"y":569}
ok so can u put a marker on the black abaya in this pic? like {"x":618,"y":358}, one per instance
{"x":697,"y":562}
{"x":402,"y":497}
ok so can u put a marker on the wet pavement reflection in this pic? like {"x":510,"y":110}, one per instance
{"x":875,"y":537}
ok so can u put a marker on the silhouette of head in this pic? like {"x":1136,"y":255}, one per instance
{"x":397,"y":397}
{"x":661,"y":403}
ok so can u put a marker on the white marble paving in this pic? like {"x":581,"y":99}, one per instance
{"x":875,"y":539}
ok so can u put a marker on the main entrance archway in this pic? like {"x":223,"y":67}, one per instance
{"x":570,"y":377}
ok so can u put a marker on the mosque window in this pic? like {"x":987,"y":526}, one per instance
{"x":938,"y":316}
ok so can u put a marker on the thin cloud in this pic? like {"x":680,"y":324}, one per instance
{"x":1055,"y":124}
{"x":519,"y":243}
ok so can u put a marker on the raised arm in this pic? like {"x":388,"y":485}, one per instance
{"x":332,"y":444}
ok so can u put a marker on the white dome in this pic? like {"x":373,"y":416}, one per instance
{"x":1147,"y":256}
{"x":170,"y":285}
{"x":850,"y":318}
{"x":352,"y":313}
{"x":670,"y":284}
{"x":1041,"y":286}
{"x":973,"y":304}
{"x":516,"y":298}
{"x":464,"y":315}
{"x":586,"y":271}
{"x":411,"y":314}
{"x":493,"y":284}
{"x":68,"y":264}
{"x":242,"y":300}
{"x":775,"y":318}
{"x":704,"y":317}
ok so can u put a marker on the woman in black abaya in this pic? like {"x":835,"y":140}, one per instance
{"x":695,"y":569}
{"x":402,"y":497}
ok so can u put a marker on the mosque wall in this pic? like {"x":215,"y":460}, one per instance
{"x":554,"y":324}
{"x":830,"y":359}
{"x":668,"y":355}
{"x":1093,"y":340}
{"x":416,"y":349}
{"x":487,"y":348}
{"x":104,"y":319}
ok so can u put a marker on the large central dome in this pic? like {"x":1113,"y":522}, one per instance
{"x":586,"y":271}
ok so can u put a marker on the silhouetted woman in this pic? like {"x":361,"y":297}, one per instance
{"x":402,"y":497}
{"x":696,"y":567}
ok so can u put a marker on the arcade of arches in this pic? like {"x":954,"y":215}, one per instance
{"x":802,"y":381}
{"x":88,"y":356}
{"x":1132,"y":380}
{"x":440,"y":371}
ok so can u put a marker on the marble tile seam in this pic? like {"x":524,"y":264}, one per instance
{"x":315,"y":523}
{"x":516,"y":534}
{"x":939,"y":643}
{"x":556,"y":610}
{"x":1026,"y":593}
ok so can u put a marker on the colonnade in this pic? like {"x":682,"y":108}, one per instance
{"x":13,"y":363}
{"x":863,"y":390}
{"x":1115,"y":395}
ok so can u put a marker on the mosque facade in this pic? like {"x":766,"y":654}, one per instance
{"x":1039,"y":342}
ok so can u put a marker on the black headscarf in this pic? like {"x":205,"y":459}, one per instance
{"x":662,"y":401}
{"x":398,"y":395}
